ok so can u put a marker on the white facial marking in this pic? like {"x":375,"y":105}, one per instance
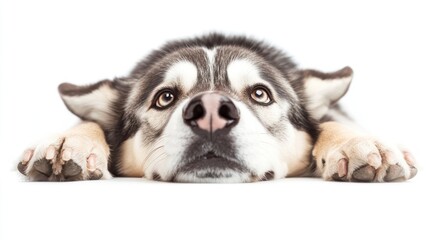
{"x":242,"y":73}
{"x":176,"y":137}
{"x":182,"y":73}
{"x":296,"y":150}
{"x":211,"y":53}
{"x":234,"y":177}
{"x":256,"y":146}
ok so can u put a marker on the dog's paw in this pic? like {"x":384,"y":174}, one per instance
{"x":365,"y":159}
{"x":65,"y":158}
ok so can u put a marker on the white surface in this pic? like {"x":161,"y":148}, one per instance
{"x":44,"y":43}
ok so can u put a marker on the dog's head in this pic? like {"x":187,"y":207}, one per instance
{"x":211,"y":109}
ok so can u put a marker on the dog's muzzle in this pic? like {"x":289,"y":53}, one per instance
{"x":211,"y":157}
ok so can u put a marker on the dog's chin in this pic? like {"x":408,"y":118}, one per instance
{"x":213,"y":169}
{"x":207,"y":177}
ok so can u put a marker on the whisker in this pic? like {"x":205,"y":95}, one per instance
{"x":147,"y":160}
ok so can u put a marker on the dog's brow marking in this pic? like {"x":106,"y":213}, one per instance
{"x":211,"y":57}
{"x":242,"y":72}
{"x":184,"y":71}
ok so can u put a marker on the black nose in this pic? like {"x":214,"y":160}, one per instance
{"x":211,"y":111}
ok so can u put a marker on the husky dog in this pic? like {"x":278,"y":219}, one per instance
{"x":215,"y":109}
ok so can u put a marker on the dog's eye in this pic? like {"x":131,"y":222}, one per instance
{"x":164,"y":99}
{"x":261,"y":95}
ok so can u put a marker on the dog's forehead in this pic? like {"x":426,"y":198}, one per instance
{"x":212,"y":68}
{"x":196,"y":69}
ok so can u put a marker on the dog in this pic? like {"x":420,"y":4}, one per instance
{"x":215,"y":109}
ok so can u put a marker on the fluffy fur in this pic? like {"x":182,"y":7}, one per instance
{"x":266,"y":112}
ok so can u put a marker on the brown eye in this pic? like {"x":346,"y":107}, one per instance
{"x":261,"y":95}
{"x":165,"y":99}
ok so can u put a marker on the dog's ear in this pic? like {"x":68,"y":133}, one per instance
{"x":323,"y":90}
{"x":94,"y":102}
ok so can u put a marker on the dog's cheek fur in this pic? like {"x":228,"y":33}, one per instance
{"x":260,"y":150}
{"x":272,"y":117}
{"x":131,"y":153}
{"x":256,"y":146}
{"x":171,"y":145}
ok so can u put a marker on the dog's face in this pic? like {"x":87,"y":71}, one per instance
{"x":199,"y":113}
{"x":214,"y":115}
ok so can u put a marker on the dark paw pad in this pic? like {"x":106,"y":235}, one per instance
{"x":95,"y":175}
{"x":268,"y":176}
{"x":336,"y":177}
{"x":22,"y":168}
{"x":394,"y":173}
{"x":43,"y":166}
{"x":365,"y":173}
{"x":71,"y":169}
{"x":41,"y":170}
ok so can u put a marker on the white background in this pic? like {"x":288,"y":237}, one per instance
{"x":44,"y":43}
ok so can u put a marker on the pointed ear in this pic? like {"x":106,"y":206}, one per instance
{"x":92,"y":102}
{"x":323,"y":90}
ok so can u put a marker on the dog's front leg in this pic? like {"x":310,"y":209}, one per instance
{"x":80,"y":153}
{"x":345,"y":154}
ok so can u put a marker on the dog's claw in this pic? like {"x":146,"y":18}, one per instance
{"x":27,"y":156}
{"x":94,"y":172}
{"x":67,"y":153}
{"x":50,"y":152}
{"x":409,"y":158}
{"x":374,"y":160}
{"x":90,"y":162}
{"x":342,"y":167}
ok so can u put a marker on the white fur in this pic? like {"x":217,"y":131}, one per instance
{"x":272,"y":114}
{"x":243,"y":73}
{"x":255,"y":146}
{"x":176,"y":138}
{"x":295,"y":150}
{"x":95,"y":105}
{"x":234,"y":177}
{"x":211,"y":54}
{"x":358,"y":150}
{"x":260,"y":151}
{"x":183,"y":74}
{"x":321,"y":93}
